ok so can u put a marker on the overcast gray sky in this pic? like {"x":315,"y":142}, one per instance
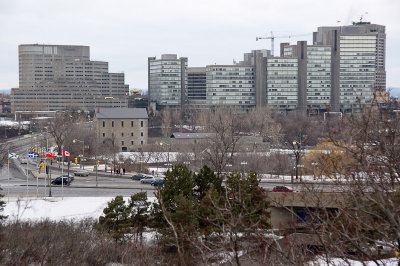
{"x":126,"y":32}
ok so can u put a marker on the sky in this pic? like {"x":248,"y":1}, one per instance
{"x":126,"y":32}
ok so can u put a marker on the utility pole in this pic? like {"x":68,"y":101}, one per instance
{"x":97,"y":167}
{"x":50,"y":178}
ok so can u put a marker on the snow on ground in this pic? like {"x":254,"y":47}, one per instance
{"x":77,"y":208}
{"x":57,"y":208}
{"x":340,"y":262}
{"x":15,"y":124}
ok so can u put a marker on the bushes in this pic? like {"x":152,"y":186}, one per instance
{"x":59,"y":243}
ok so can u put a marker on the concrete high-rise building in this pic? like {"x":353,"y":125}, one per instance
{"x":167,"y":81}
{"x":196,"y":87}
{"x":358,"y":63}
{"x":282,"y":83}
{"x":57,"y":77}
{"x":314,"y":75}
{"x":343,"y":69}
{"x":231,"y":85}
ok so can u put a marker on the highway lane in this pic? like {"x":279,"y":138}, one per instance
{"x":86,"y":186}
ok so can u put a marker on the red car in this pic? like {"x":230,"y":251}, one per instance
{"x":282,"y":189}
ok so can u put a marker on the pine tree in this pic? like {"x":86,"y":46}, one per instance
{"x":116,"y":218}
{"x":139,"y":211}
{"x":2,"y":205}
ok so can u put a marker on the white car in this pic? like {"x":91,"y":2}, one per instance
{"x":148,"y":179}
{"x":81,"y":173}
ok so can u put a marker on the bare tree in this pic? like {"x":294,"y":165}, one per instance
{"x":227,"y":129}
{"x":260,"y":122}
{"x":60,"y":128}
{"x":166,"y":123}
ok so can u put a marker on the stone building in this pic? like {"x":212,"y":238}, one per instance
{"x":126,"y":128}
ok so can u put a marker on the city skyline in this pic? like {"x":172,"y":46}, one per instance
{"x":126,"y":34}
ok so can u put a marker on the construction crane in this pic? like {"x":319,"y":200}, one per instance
{"x":273,"y":37}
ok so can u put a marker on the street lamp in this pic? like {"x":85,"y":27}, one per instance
{"x":314,"y":164}
{"x":201,"y":156}
{"x":83,"y":150}
{"x":297,"y":154}
{"x":169,"y":150}
{"x":244,"y":163}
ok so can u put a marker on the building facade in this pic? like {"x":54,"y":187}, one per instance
{"x":231,"y":85}
{"x":126,"y":128}
{"x":342,"y":70}
{"x":282,"y":83}
{"x":167,"y":81}
{"x":58,"y":77}
{"x":358,"y":63}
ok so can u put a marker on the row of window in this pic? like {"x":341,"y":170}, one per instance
{"x":122,"y":124}
{"x":122,"y":134}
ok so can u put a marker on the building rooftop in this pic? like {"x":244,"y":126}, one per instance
{"x":179,"y":135}
{"x":122,"y":113}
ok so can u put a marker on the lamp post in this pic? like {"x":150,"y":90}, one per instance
{"x":83,"y":151}
{"x":244,"y":163}
{"x":297,"y":154}
{"x":314,"y":164}
{"x":169,"y":149}
{"x":201,"y":156}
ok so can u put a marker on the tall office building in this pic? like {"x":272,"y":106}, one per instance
{"x":196,"y":87}
{"x":231,"y":85}
{"x":313,"y":82}
{"x":282,"y":83}
{"x":57,"y":77}
{"x":343,"y":69}
{"x":358,"y":63}
{"x":167,"y":81}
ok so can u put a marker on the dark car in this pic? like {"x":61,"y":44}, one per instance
{"x":138,"y":176}
{"x":158,"y":182}
{"x":65,"y":181}
{"x":282,"y":189}
{"x":71,"y":177}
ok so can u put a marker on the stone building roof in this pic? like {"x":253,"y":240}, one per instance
{"x":121,"y":113}
{"x":179,"y":135}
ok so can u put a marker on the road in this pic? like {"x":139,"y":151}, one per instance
{"x":16,"y":184}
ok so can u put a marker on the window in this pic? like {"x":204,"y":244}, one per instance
{"x":141,"y":123}
{"x":122,"y":123}
{"x":104,"y":124}
{"x":141,"y":134}
{"x":131,"y":123}
{"x":104,"y":134}
{"x":132,"y":142}
{"x":112,"y":123}
{"x":132,"y":134}
{"x":122,"y":142}
{"x":141,"y":142}
{"x":122,"y":134}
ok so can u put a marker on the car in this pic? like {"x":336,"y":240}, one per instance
{"x":148,"y":179}
{"x":158,"y":182}
{"x":71,"y":177}
{"x":138,"y":176}
{"x":61,"y":179}
{"x":282,"y":189}
{"x":23,"y":160}
{"x":81,"y":173}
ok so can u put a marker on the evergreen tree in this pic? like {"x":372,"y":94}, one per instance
{"x":2,"y":205}
{"x":206,"y":179}
{"x":139,"y":211}
{"x":116,"y":218}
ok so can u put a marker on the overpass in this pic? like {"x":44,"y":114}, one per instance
{"x":290,"y":209}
